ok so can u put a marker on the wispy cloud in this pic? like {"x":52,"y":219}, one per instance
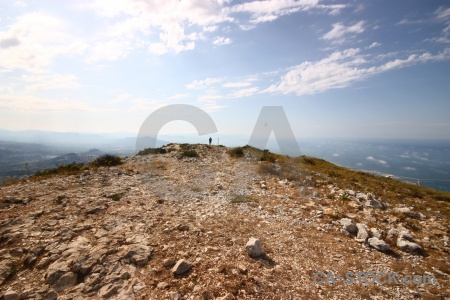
{"x":270,"y":10}
{"x":244,"y":92}
{"x":374,"y":44}
{"x":34,"y":104}
{"x":341,"y":33}
{"x":176,"y":26}
{"x":340,"y":69}
{"x":236,"y":84}
{"x":33,"y":40}
{"x":219,"y":41}
{"x":197,"y":84}
{"x":50,"y":81}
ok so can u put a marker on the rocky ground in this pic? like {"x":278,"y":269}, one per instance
{"x":163,"y":226}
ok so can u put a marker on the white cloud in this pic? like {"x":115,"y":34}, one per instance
{"x":236,"y":84}
{"x":35,"y":104}
{"x":34,"y":39}
{"x":442,"y":13}
{"x":270,"y":10}
{"x":222,"y":41}
{"x":340,"y":69}
{"x":374,"y":44}
{"x":174,"y":26}
{"x":50,"y":81}
{"x":443,"y":16}
{"x":210,"y":28}
{"x":339,"y":33}
{"x":143,"y":104}
{"x":197,"y":84}
{"x":167,"y":20}
{"x":371,"y":158}
{"x":244,"y":92}
{"x":178,"y":96}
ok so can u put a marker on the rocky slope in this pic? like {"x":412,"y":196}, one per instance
{"x":164,"y":226}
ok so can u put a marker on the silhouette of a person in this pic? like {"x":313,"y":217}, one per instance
{"x":210,"y":140}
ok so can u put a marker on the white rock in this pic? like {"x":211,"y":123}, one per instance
{"x":348,"y":226}
{"x":408,"y":246}
{"x":378,"y":244}
{"x":253,"y":247}
{"x":362,"y":235}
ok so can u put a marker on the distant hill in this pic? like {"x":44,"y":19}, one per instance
{"x":21,"y":159}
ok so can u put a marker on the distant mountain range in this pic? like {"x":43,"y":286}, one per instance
{"x":20,"y":159}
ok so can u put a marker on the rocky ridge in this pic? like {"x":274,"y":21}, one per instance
{"x":164,"y":226}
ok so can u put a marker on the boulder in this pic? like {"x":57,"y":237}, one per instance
{"x":10,"y":295}
{"x":181,"y":267}
{"x":378,"y":244}
{"x":348,"y":226}
{"x":253,"y":247}
{"x":406,"y":243}
{"x":408,"y":246}
{"x":363,"y":234}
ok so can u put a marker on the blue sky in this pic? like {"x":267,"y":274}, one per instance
{"x":340,"y":69}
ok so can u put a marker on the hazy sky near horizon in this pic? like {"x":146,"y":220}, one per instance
{"x":370,"y":69}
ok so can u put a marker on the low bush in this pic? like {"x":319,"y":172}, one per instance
{"x":236,"y":152}
{"x":189,"y":153}
{"x":107,"y":160}
{"x":148,"y":151}
{"x":69,"y":169}
{"x":267,"y":156}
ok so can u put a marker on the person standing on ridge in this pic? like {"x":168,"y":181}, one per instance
{"x":210,"y":140}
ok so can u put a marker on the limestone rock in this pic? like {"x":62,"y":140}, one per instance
{"x":348,"y":226}
{"x":408,"y":246}
{"x":109,"y":290}
{"x":253,"y":247}
{"x":363,"y":234}
{"x":378,"y":244}
{"x":406,"y":243}
{"x":67,"y":280}
{"x":181,"y":267}
{"x":10,"y":295}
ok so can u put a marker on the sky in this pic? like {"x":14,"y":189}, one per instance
{"x":339,"y":69}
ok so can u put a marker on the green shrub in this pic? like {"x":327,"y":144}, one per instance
{"x":115,"y":197}
{"x":189,"y":153}
{"x":236,"y":152}
{"x":148,"y":151}
{"x":107,"y":160}
{"x":72,"y":168}
{"x":267,"y":156}
{"x":269,"y":168}
{"x":238,"y":199}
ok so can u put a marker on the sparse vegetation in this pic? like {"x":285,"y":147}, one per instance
{"x":238,"y":199}
{"x":116,"y":196}
{"x":59,"y":199}
{"x":189,"y":153}
{"x":107,"y":160}
{"x":268,"y":156}
{"x":148,"y":151}
{"x":70,"y":169}
{"x":236,"y":152}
